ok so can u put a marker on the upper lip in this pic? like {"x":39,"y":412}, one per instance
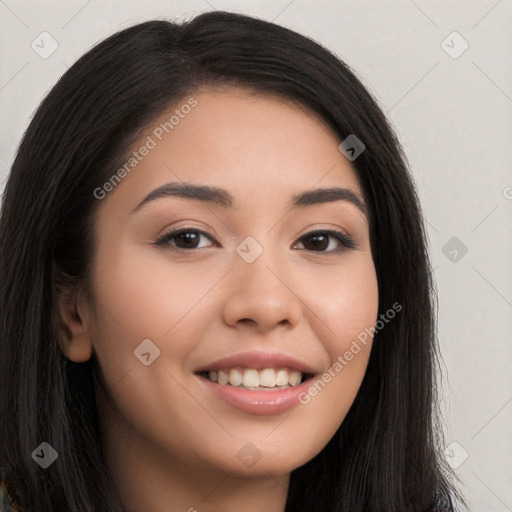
{"x":259,"y":361}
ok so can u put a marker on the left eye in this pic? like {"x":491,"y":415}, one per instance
{"x":317,"y":241}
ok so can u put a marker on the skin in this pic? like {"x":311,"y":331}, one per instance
{"x":171,"y":444}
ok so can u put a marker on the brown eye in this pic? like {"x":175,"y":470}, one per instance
{"x":186,"y":239}
{"x":183,"y":239}
{"x":319,"y":241}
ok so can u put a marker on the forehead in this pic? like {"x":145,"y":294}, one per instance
{"x":253,"y":145}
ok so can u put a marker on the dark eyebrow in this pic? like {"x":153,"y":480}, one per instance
{"x":206,"y":193}
{"x":203,"y":193}
{"x":326,"y":195}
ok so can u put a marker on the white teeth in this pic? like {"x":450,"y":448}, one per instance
{"x":282,"y":378}
{"x":222,"y":377}
{"x":235,"y":377}
{"x":252,"y":378}
{"x":268,"y":378}
{"x":294,"y":378}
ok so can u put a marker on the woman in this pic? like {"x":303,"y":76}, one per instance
{"x":216,"y":291}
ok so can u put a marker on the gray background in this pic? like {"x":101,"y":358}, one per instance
{"x":453,"y":115}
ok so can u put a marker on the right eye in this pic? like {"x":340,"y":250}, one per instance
{"x":183,"y":239}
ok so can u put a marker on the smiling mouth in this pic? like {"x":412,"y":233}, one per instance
{"x":266,"y":379}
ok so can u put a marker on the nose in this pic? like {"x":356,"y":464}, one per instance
{"x":261,"y":297}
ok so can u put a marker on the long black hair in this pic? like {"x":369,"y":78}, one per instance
{"x":387,"y":454}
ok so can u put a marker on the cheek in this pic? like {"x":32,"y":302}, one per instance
{"x":346,"y":314}
{"x":346,"y":301}
{"x":161,"y":303}
{"x":150,"y":297}
{"x":157,"y":301}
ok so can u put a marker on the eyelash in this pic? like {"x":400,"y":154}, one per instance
{"x":346,"y":242}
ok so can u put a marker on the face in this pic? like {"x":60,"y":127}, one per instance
{"x":201,"y":294}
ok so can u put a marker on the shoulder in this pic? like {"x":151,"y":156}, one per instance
{"x":6,"y":502}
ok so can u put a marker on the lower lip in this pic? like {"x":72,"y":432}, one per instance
{"x":258,"y":402}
